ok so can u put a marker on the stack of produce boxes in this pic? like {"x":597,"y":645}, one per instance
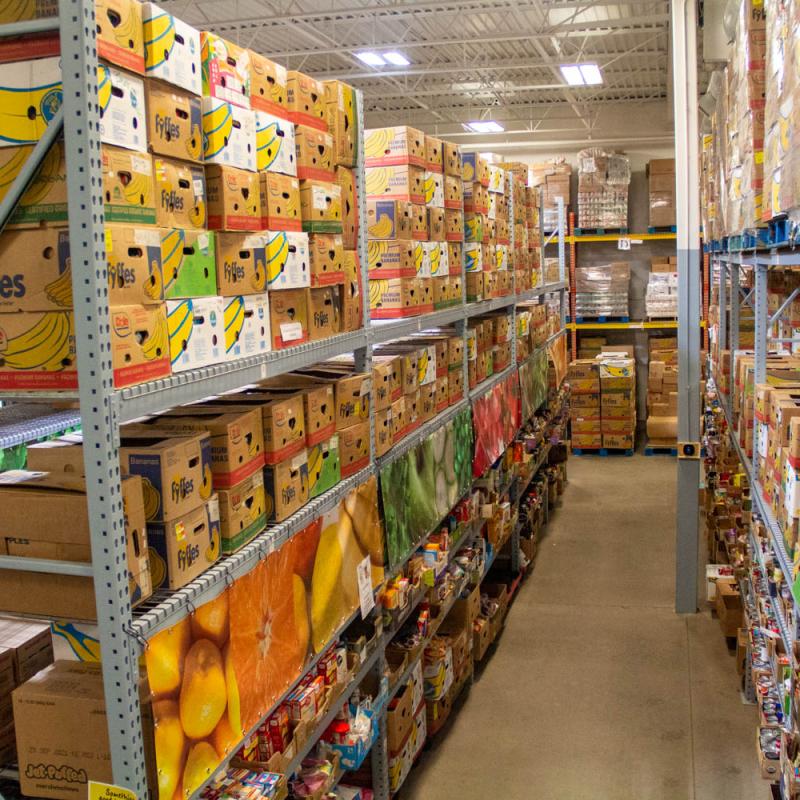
{"x":475,"y":177}
{"x":480,"y":350}
{"x":498,"y":279}
{"x":782,"y":105}
{"x":453,"y":288}
{"x":603,"y":179}
{"x":436,"y":256}
{"x":583,"y":376}
{"x":553,"y":177}
{"x":398,"y":223}
{"x":203,"y":208}
{"x":746,"y":106}
{"x":617,"y":401}
{"x":519,"y":255}
{"x":662,"y":392}
{"x":406,"y":727}
{"x":534,"y":234}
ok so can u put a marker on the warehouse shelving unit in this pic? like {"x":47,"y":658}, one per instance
{"x":123,"y":631}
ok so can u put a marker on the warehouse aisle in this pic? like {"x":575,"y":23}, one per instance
{"x":617,"y":696}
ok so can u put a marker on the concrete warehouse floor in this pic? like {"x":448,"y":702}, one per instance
{"x":597,"y":688}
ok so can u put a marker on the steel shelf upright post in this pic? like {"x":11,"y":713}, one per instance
{"x":684,"y":59}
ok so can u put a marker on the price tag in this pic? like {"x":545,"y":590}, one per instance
{"x":623,"y":243}
{"x":291,"y":331}
{"x":107,"y":791}
{"x":365,"y":594}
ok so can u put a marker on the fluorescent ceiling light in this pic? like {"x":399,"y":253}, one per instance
{"x":591,"y":74}
{"x":581,"y":74}
{"x":397,"y":59}
{"x":485,"y":126}
{"x":371,"y":59}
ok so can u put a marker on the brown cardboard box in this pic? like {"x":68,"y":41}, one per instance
{"x":323,"y":312}
{"x":384,"y":431}
{"x":346,"y":179}
{"x":234,"y":199}
{"x":27,"y":649}
{"x":385,"y":381}
{"x":240,"y":260}
{"x":61,"y":706}
{"x":237,"y":437}
{"x":177,"y":469}
{"x":243,"y":512}
{"x":133,"y":256}
{"x":452,"y":159}
{"x":314,"y":153}
{"x":288,"y":317}
{"x":279,"y":200}
{"x":27,"y":509}
{"x":286,"y":487}
{"x":434,"y":153}
{"x":321,"y":205}
{"x":354,"y":448}
{"x":184,"y":546}
{"x":174,"y":122}
{"x":181,"y":193}
{"x":139,"y":345}
{"x":728,"y":605}
{"x":389,"y":219}
{"x":352,"y":296}
{"x":305,"y":99}
{"x":340,"y":112}
{"x":399,"y":419}
{"x":391,"y":259}
{"x":267,"y":85}
{"x":399,"y":719}
{"x":121,"y":169}
{"x":398,"y":145}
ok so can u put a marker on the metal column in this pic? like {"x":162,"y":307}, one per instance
{"x":98,"y":412}
{"x":684,"y":55}
{"x":736,"y":300}
{"x":761,"y":346}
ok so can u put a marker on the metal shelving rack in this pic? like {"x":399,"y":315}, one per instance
{"x":123,"y":632}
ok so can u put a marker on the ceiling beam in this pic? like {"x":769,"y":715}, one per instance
{"x":581,"y":30}
{"x":472,"y":66}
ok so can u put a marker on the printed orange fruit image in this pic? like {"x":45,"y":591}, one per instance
{"x":234,"y":707}
{"x":223,"y":738}
{"x":170,"y":744}
{"x":210,"y":621}
{"x":266,"y":651}
{"x":304,"y":547}
{"x":203,"y":692}
{"x":165,"y":657}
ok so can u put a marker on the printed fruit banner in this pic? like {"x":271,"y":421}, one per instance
{"x":557,"y":352}
{"x":533,"y":383}
{"x":422,"y":486}
{"x":495,"y":416}
{"x":214,"y":675}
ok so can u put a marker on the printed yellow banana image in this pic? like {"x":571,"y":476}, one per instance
{"x":154,"y":288}
{"x":382,"y":229}
{"x":377,"y":143}
{"x":277,"y":253}
{"x":194,"y":147}
{"x":139,"y":191}
{"x":267,"y":145}
{"x":377,"y":180}
{"x":234,"y":322}
{"x":314,"y":464}
{"x":206,"y":488}
{"x":157,"y":343}
{"x":471,"y":260}
{"x":467,"y":172}
{"x":83,"y":646}
{"x":435,"y":255}
{"x":180,"y":322}
{"x":197,"y":214}
{"x":152,"y":500}
{"x":48,"y":346}
{"x":375,"y":251}
{"x":103,"y":87}
{"x":422,"y":366}
{"x":430,"y":188}
{"x":259,"y":279}
{"x":26,"y":110}
{"x":59,"y":291}
{"x":172,"y":256}
{"x":159,"y":39}
{"x":129,"y":33}
{"x":219,"y":122}
{"x":376,"y":291}
{"x":419,"y":256}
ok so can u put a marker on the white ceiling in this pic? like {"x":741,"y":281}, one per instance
{"x":475,"y":59}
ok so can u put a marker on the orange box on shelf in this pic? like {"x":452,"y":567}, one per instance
{"x":279,"y":197}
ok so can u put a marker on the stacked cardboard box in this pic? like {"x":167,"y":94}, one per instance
{"x":217,"y":165}
{"x":406,"y":727}
{"x":489,"y":263}
{"x":661,"y":181}
{"x":519,"y":259}
{"x":662,"y":392}
{"x":602,"y":290}
{"x":591,"y":346}
{"x":533,"y":212}
{"x":481,"y":348}
{"x":415,"y":222}
{"x":583,"y":376}
{"x":661,"y":298}
{"x":27,"y":648}
{"x":603,"y":179}
{"x":782,"y":103}
{"x":553,"y":177}
{"x":618,"y":401}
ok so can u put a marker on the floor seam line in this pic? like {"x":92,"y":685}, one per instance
{"x":691,"y":707}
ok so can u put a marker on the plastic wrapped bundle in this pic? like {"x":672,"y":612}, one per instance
{"x":661,"y":299}
{"x":602,"y":290}
{"x":603,"y":179}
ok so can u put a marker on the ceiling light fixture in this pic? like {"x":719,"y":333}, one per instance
{"x":484,"y":126}
{"x":396,"y":59}
{"x":581,"y":74}
{"x":371,"y":59}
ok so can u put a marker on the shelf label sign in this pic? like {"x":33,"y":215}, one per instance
{"x":623,"y":243}
{"x":107,"y":791}
{"x":365,"y":593}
